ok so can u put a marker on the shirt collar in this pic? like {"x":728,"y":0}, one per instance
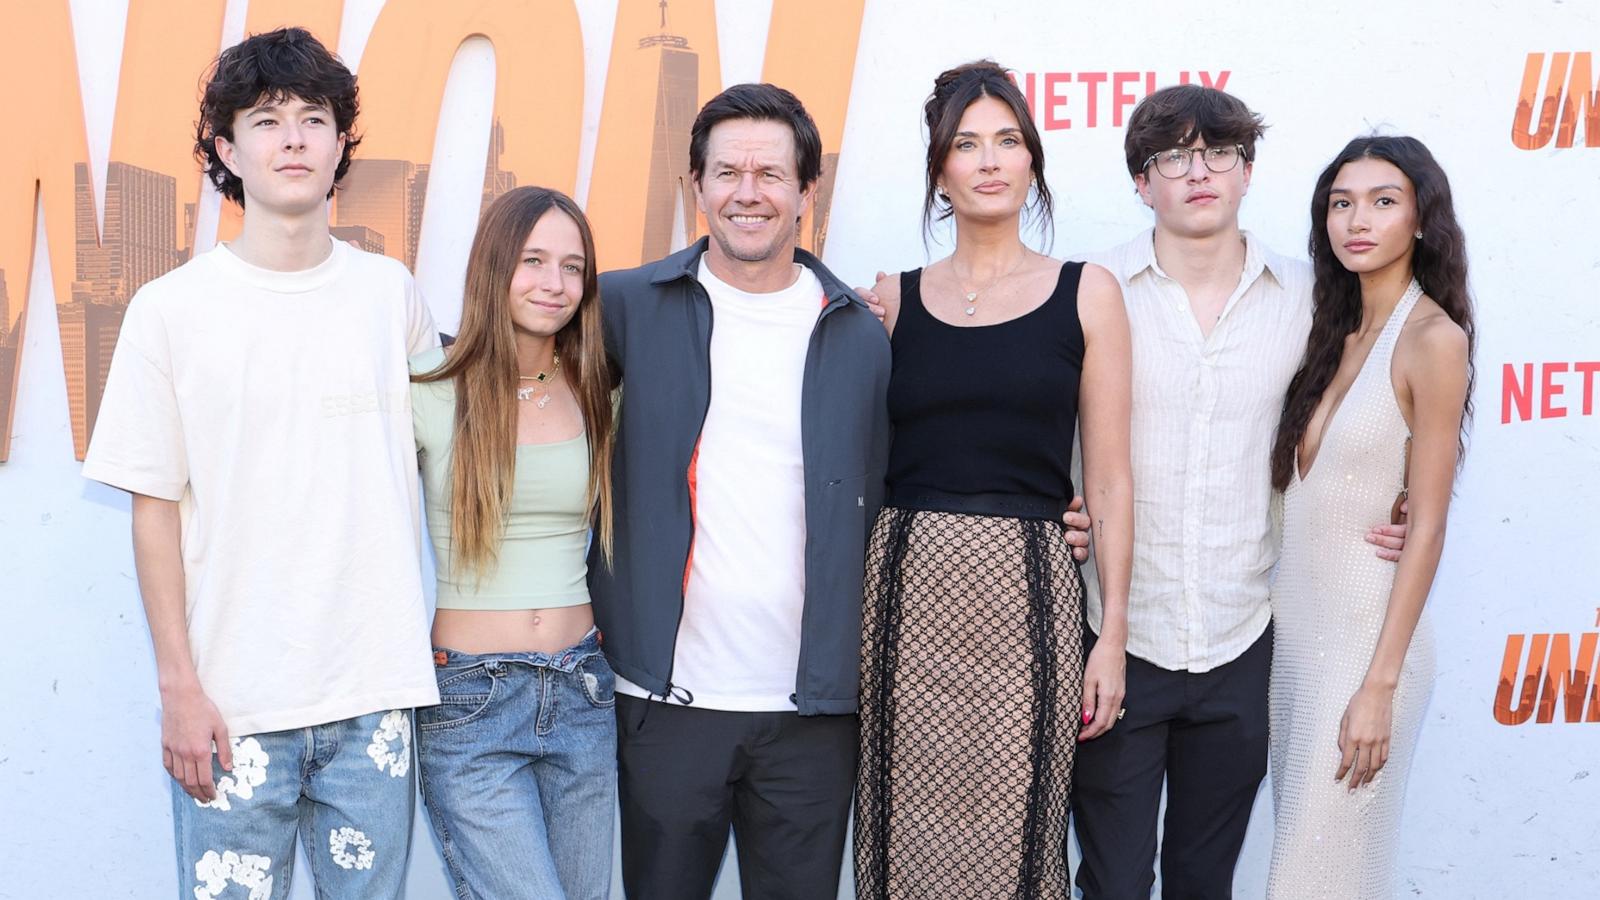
{"x":686,"y":264}
{"x":1257,"y":256}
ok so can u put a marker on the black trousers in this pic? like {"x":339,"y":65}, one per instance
{"x":781,"y":781}
{"x":1203,"y":734}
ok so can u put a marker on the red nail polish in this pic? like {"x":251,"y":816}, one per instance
{"x":1088,"y":716}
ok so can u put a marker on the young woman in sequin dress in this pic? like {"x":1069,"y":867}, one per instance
{"x":1378,"y":405}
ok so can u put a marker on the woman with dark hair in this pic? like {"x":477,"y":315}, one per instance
{"x":513,"y":429}
{"x":974,"y":687}
{"x":1374,"y":418}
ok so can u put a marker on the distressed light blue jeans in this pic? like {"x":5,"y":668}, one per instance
{"x":346,"y":787}
{"x":518,"y":766}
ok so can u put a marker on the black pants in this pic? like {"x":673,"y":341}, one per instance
{"x":782,"y":782}
{"x":1205,"y":735}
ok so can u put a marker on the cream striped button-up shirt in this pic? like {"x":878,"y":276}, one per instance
{"x":1205,"y":410}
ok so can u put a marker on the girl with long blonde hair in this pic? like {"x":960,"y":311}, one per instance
{"x":514,"y":434}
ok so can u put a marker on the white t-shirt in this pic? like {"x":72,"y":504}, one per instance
{"x":738,"y":643}
{"x":275,"y":407}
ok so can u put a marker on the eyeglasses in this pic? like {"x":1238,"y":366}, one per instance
{"x":1175,"y":163}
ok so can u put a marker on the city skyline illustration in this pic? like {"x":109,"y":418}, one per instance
{"x":378,"y":207}
{"x":672,"y":219}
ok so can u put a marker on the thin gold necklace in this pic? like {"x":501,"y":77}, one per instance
{"x":972,"y":296}
{"x":543,"y":379}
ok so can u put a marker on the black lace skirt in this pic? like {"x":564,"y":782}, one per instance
{"x":971,"y":692}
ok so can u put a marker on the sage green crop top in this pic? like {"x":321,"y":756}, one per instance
{"x":542,"y":556}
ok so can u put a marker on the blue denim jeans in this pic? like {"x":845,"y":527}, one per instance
{"x":346,"y":787}
{"x":518,"y":765}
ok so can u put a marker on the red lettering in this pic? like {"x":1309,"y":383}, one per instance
{"x":1588,"y":370}
{"x":1548,"y":409}
{"x":1092,"y":81}
{"x":1183,"y":77}
{"x":1221,"y":82}
{"x":1120,"y":98}
{"x":1519,"y":392}
{"x":1149,"y":83}
{"x":1027,"y":90}
{"x":1053,"y":101}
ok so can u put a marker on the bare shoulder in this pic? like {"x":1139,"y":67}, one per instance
{"x":1098,"y":281}
{"x":1099,"y":294}
{"x":1432,"y":338}
{"x":1100,"y":311}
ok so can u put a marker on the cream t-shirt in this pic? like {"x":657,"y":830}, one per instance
{"x":275,"y":408}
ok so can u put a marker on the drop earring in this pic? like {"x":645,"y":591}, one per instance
{"x":1418,"y":235}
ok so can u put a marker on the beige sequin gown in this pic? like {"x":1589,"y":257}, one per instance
{"x":1328,"y":604}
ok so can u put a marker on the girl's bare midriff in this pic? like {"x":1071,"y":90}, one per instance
{"x":512,"y":630}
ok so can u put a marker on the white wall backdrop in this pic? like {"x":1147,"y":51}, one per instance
{"x":1493,"y":810}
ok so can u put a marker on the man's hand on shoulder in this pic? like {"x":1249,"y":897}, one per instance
{"x":883,"y":298}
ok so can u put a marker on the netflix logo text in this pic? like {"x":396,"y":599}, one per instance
{"x":1061,"y":100}
{"x":1551,"y":390}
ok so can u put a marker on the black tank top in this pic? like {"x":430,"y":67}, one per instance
{"x":988,"y":409}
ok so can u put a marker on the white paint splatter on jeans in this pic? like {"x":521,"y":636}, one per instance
{"x":395,"y":724}
{"x":249,"y":772}
{"x":340,"y":843}
{"x":215,"y":871}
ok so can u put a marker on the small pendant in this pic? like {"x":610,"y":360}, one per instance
{"x":972,"y":310}
{"x":542,"y":402}
{"x":525,"y":393}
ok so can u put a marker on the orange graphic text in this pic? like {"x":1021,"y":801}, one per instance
{"x":1553,"y":677}
{"x":1545,"y":113}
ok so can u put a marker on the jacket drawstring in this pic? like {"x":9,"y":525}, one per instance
{"x":671,"y":692}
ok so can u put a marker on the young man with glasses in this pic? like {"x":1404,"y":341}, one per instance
{"x":1219,"y":326}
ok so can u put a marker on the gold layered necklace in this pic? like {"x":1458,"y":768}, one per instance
{"x":540,"y":385}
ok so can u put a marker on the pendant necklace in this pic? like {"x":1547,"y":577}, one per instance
{"x":972,"y":296}
{"x":541,"y":380}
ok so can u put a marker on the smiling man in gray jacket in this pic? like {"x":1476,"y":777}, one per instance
{"x":749,"y":464}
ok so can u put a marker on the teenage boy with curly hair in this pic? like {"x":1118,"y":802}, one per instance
{"x":275,"y":517}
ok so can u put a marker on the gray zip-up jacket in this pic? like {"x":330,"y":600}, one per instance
{"x":658,"y":325}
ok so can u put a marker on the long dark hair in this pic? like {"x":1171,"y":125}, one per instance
{"x":483,"y":362}
{"x":1439,"y":263}
{"x":955,"y":90}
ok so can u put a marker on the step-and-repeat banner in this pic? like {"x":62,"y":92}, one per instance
{"x":461,"y":101}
